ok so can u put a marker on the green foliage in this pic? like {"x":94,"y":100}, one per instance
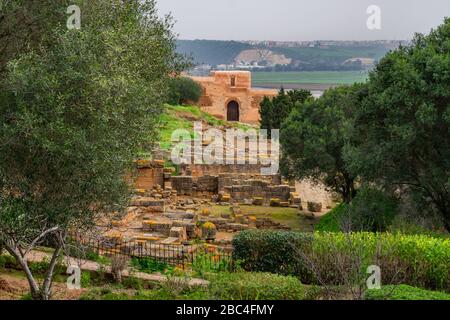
{"x":132,"y":283}
{"x":255,"y":286}
{"x":206,"y":263}
{"x":94,"y":256}
{"x":26,"y":297}
{"x":330,"y":221}
{"x":150,"y":265}
{"x":181,"y":117}
{"x":75,"y":111}
{"x":274,"y":112}
{"x":371,"y":210}
{"x":405,"y":292}
{"x":313,"y":138}
{"x":414,"y":259}
{"x":39,"y":267}
{"x":85,"y":279}
{"x":7,"y":261}
{"x":269,"y":251}
{"x":183,"y":90}
{"x":404,"y":122}
{"x":27,"y":25}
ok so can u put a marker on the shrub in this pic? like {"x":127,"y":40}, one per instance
{"x":183,"y":90}
{"x":149,"y":265}
{"x":255,"y":286}
{"x":413,"y":259}
{"x":405,"y":292}
{"x":133,"y":283}
{"x":39,"y":267}
{"x":330,"y":221}
{"x":371,"y":210}
{"x":7,"y":261}
{"x":85,"y":280}
{"x":207,"y":262}
{"x":269,"y":251}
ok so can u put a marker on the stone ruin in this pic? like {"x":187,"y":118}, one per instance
{"x":173,"y":209}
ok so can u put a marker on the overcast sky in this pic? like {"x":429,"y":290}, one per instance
{"x":297,"y":20}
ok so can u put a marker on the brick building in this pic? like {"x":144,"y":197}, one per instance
{"x":229,"y":95}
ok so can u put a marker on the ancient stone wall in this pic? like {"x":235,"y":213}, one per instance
{"x":311,"y":192}
{"x":227,"y":179}
{"x":198,"y":170}
{"x":260,"y":189}
{"x":183,"y":185}
{"x":223,"y":87}
{"x":149,"y":174}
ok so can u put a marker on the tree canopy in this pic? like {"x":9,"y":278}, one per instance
{"x":274,"y":111}
{"x":313,"y":138}
{"x":404,"y":122}
{"x":74,"y":114}
{"x":183,"y":90}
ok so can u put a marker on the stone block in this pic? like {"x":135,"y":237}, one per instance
{"x":178,"y":232}
{"x":314,"y":206}
{"x":258,"y":201}
{"x":275,"y":202}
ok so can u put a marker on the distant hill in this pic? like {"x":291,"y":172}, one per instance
{"x":212,"y":52}
{"x":316,"y":56}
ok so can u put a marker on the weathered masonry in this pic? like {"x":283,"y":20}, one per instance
{"x":229,"y":95}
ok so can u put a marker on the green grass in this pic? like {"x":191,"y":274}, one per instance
{"x":288,"y":216}
{"x":405,"y":292}
{"x":224,"y":286}
{"x":309,"y":77}
{"x":183,"y":117}
{"x":330,"y":221}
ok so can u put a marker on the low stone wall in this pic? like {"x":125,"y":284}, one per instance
{"x":199,"y":170}
{"x":260,"y":190}
{"x":183,"y":185}
{"x":226,"y":180}
{"x":147,"y":178}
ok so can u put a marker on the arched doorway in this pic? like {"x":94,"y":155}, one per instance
{"x":232,"y":111}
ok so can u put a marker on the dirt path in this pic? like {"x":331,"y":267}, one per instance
{"x":14,"y":286}
{"x":37,"y":256}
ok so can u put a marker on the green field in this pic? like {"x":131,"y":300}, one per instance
{"x":309,"y":77}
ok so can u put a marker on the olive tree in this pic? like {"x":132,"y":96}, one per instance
{"x":404,"y":123}
{"x":314,"y":136}
{"x":73,"y":115}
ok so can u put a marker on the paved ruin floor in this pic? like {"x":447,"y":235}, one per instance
{"x":293,"y":218}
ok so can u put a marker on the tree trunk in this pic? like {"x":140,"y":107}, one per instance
{"x":445,"y":211}
{"x":37,"y":292}
{"x":349,"y":191}
{"x":34,"y":286}
{"x":48,"y":279}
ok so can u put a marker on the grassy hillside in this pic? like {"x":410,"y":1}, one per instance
{"x":183,"y":117}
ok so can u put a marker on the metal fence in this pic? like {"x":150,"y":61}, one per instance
{"x":183,"y":256}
